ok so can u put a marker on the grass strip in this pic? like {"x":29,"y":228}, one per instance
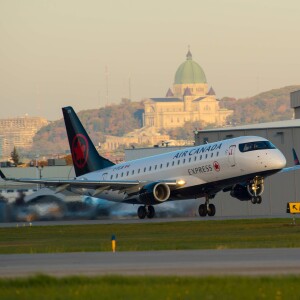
{"x":228,"y":234}
{"x":148,"y":287}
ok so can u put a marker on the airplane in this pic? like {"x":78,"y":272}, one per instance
{"x":238,"y":165}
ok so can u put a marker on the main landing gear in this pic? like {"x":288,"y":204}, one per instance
{"x":207,"y":209}
{"x":146,"y":211}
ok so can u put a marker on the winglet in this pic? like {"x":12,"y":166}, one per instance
{"x":296,"y":160}
{"x":2,"y":175}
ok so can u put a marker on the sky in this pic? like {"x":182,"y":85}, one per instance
{"x":91,"y":53}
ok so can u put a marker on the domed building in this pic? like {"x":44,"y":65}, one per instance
{"x":189,"y":100}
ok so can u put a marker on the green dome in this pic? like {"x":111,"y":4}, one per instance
{"x":189,"y":72}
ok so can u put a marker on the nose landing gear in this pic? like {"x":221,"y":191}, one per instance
{"x":255,"y":189}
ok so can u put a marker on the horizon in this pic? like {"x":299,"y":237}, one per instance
{"x":120,"y":101}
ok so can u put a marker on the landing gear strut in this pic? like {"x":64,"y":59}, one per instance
{"x":255,"y":189}
{"x":207,"y":209}
{"x":146,"y":211}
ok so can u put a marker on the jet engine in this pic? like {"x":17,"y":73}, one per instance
{"x":240,"y":192}
{"x":154,"y":193}
{"x":250,"y":191}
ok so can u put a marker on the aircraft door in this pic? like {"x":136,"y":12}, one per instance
{"x":104,"y":176}
{"x":231,"y":155}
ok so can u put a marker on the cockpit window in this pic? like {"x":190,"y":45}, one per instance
{"x":260,"y":145}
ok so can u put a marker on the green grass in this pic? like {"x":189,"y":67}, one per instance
{"x":258,"y":233}
{"x":119,"y":287}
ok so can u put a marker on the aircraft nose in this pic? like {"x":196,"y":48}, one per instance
{"x":279,"y":161}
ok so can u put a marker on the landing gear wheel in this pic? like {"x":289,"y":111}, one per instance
{"x":258,"y":199}
{"x":254,"y":199}
{"x":150,"y":212}
{"x":142,"y":212}
{"x":211,"y":210}
{"x":202,"y":210}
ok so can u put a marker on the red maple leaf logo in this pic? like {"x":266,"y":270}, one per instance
{"x":80,"y":150}
{"x":216,"y":166}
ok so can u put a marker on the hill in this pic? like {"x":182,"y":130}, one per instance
{"x":119,"y":119}
{"x":110,"y":120}
{"x":273,"y":105}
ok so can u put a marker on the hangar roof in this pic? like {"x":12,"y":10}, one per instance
{"x":278,"y":124}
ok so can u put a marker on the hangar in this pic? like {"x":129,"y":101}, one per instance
{"x":280,"y":188}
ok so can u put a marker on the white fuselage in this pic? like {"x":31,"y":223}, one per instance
{"x":199,"y":165}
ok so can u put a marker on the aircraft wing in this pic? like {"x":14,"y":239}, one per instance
{"x":289,"y":169}
{"x":127,"y":186}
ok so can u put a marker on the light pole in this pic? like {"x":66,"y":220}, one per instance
{"x":38,"y":170}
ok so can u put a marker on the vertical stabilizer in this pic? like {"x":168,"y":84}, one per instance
{"x":86,"y":158}
{"x":295,"y":156}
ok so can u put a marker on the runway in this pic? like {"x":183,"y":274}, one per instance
{"x":252,"y":262}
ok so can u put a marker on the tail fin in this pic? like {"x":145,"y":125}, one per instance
{"x":296,"y":160}
{"x":85,"y":156}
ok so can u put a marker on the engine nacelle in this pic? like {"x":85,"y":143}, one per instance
{"x":240,"y":192}
{"x":154,"y":193}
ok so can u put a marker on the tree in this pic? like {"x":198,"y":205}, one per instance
{"x":15,"y":156}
